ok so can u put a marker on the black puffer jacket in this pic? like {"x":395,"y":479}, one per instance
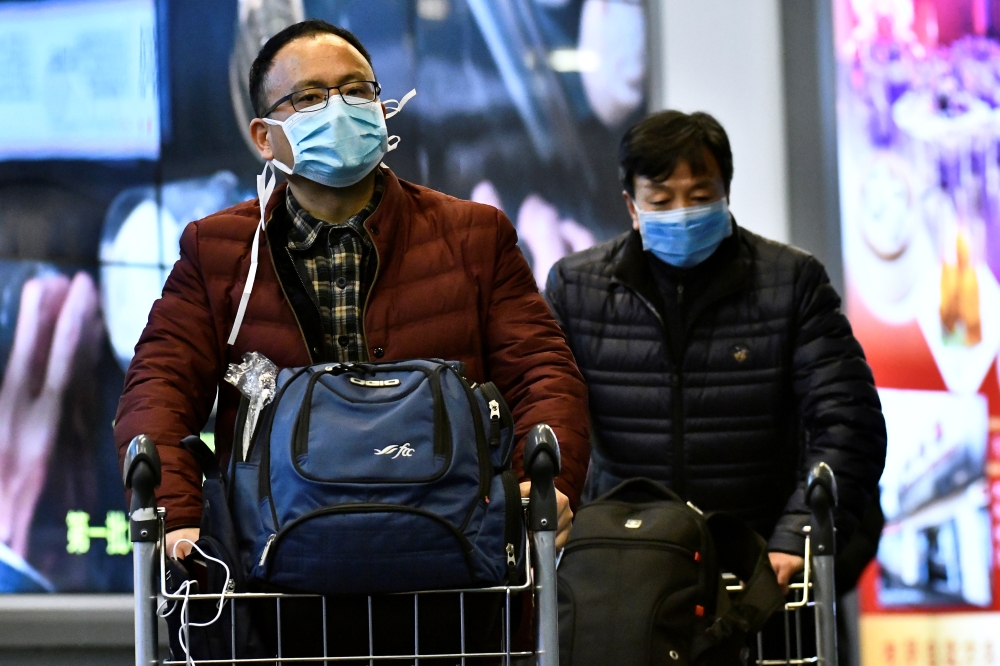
{"x":766,"y":380}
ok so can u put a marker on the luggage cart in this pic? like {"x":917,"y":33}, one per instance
{"x":142,"y":476}
{"x":814,"y":605}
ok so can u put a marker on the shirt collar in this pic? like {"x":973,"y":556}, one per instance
{"x":306,"y":228}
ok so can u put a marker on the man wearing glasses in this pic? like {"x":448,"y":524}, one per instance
{"x":354,"y":265}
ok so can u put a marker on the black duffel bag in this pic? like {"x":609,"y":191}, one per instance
{"x":640,"y":582}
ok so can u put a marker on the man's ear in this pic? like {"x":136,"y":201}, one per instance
{"x":631,"y":210}
{"x":261,"y":140}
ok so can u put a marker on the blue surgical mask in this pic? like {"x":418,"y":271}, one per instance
{"x":341,"y":143}
{"x":685,"y":237}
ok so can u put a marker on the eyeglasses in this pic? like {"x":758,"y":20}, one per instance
{"x":354,"y":93}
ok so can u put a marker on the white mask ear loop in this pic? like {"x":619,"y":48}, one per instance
{"x":400,"y":104}
{"x":275,"y":162}
{"x":393,"y":141}
{"x":264,"y":190}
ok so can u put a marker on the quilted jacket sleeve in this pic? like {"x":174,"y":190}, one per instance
{"x":839,"y":410}
{"x":171,"y":383}
{"x":555,"y":294}
{"x":532,"y":365}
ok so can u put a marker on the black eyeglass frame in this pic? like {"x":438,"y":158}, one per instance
{"x":288,"y":97}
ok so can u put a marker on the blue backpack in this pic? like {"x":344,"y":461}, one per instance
{"x":372,"y":478}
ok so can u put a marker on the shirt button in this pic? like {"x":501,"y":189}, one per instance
{"x":343,"y":340}
{"x":378,"y":352}
{"x":341,"y":282}
{"x":375,"y":230}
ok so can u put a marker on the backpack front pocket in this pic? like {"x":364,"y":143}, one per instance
{"x":393,"y":430}
{"x":336,"y":549}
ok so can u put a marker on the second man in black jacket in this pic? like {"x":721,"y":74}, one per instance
{"x":719,"y":362}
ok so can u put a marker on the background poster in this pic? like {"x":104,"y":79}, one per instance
{"x":126,"y":119}
{"x":918,"y":110}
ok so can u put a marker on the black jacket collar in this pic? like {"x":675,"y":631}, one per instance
{"x":632,"y":270}
{"x":726,"y":272}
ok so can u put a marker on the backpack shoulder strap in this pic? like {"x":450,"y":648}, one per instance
{"x":640,"y":489}
{"x":206,"y":460}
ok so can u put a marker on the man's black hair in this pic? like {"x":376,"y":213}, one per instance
{"x":653,"y":147}
{"x":265,"y":57}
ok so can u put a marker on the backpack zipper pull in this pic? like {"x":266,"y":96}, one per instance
{"x":511,"y":563}
{"x":267,"y":547}
{"x":494,"y":423}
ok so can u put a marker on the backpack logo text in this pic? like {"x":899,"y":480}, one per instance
{"x":375,"y":383}
{"x":394,"y":450}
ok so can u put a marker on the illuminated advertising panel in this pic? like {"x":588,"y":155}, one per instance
{"x":118,"y":132}
{"x":918,"y":111}
{"x":78,"y":80}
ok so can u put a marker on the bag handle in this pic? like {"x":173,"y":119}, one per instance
{"x":202,"y":455}
{"x":743,"y":552}
{"x":639,"y":490}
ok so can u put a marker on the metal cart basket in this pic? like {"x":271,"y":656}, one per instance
{"x":142,"y":473}
{"x":809,"y":622}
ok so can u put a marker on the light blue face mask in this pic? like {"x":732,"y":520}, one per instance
{"x":685,"y":237}
{"x":340,"y":144}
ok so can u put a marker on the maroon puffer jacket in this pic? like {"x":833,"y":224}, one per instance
{"x":451,"y":284}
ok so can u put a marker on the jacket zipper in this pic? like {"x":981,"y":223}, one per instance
{"x":680,"y":475}
{"x":680,"y":480}
{"x":677,"y":429}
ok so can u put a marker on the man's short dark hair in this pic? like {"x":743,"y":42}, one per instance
{"x":653,"y":147}
{"x":265,"y":57}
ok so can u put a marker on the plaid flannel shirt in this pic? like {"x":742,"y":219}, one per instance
{"x":337,"y":269}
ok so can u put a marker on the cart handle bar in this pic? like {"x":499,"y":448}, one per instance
{"x":542,"y":463}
